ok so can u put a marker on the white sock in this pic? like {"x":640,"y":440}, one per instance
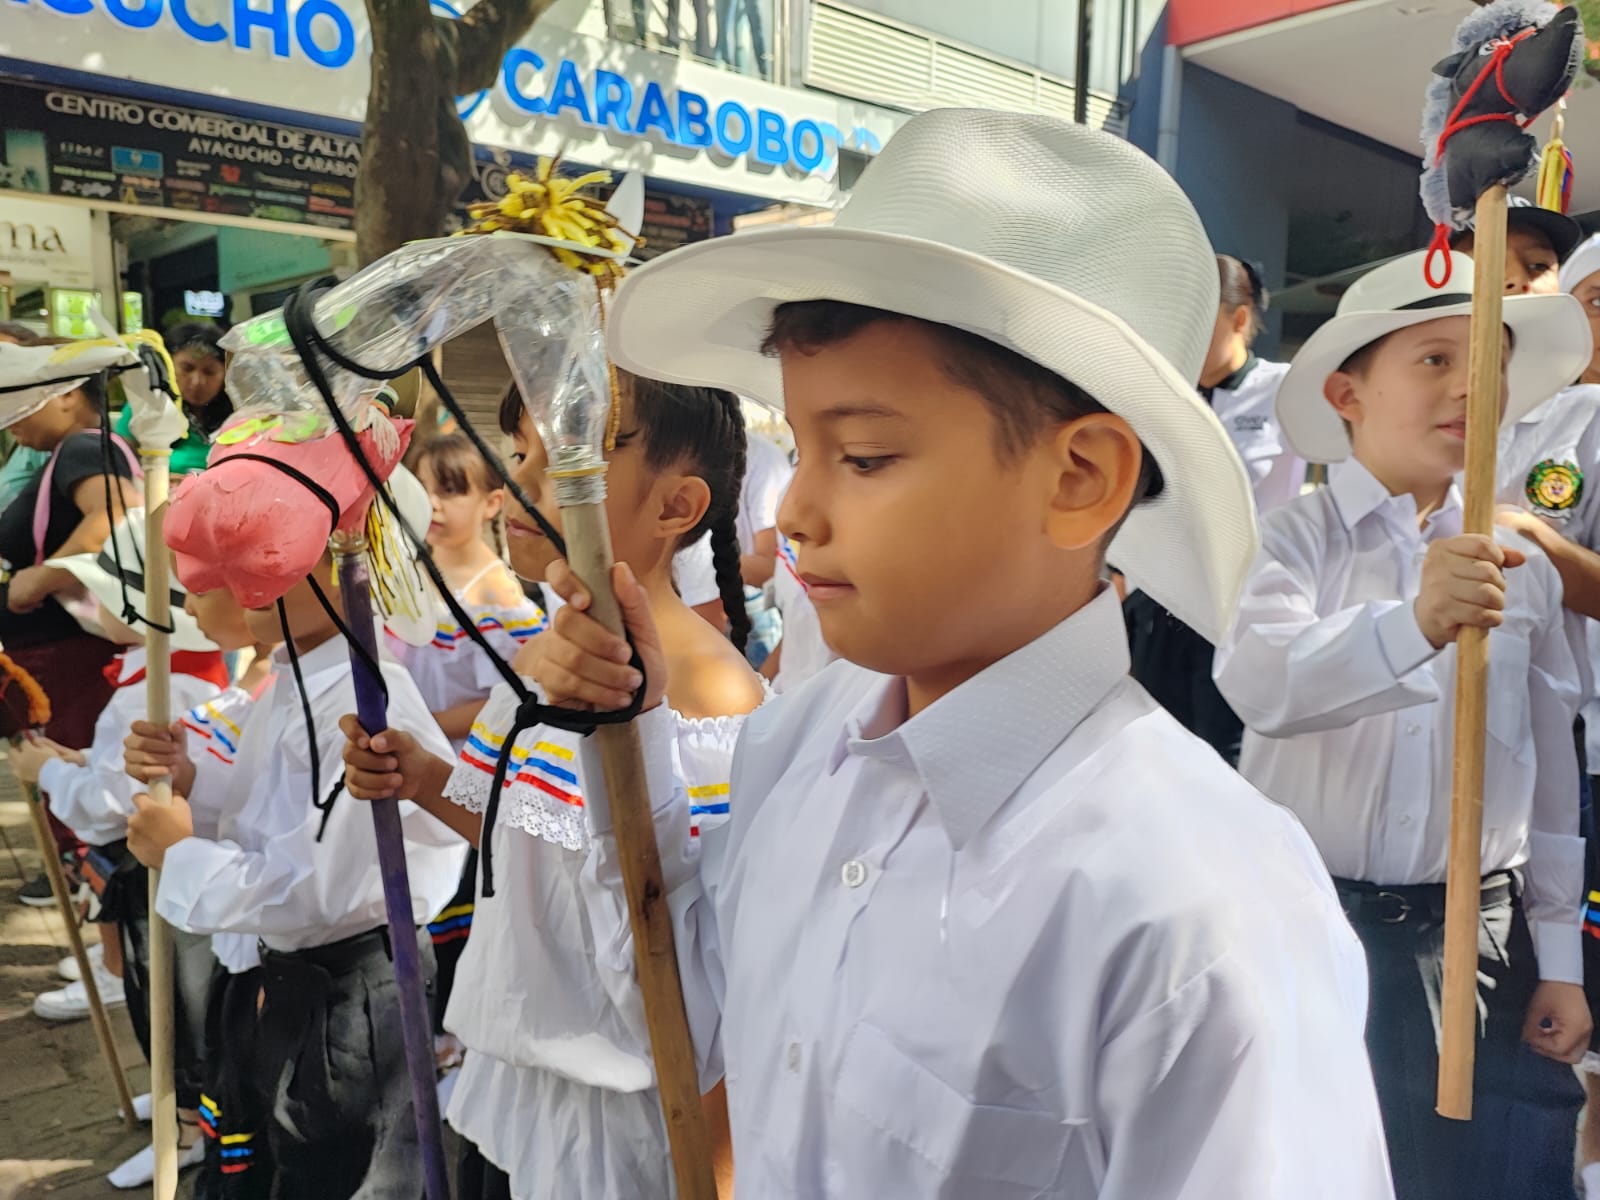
{"x":1591,"y":1181}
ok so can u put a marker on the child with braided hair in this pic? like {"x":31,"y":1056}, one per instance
{"x":557,"y":1096}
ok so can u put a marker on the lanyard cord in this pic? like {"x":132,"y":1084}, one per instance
{"x":311,"y":346}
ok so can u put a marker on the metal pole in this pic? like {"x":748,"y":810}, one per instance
{"x":1080,"y":78}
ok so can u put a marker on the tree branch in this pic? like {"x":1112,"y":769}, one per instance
{"x":483,"y":35}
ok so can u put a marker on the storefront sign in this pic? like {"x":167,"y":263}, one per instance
{"x":613,"y":104}
{"x":72,"y":143}
{"x":46,"y":243}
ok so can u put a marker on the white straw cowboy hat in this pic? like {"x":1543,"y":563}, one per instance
{"x":1550,"y":337}
{"x":1061,"y":243}
{"x":116,"y":572}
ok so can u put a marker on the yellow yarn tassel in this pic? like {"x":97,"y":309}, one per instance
{"x":1555,"y":169}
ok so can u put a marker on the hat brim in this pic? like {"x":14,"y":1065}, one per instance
{"x":107,"y":589}
{"x":1551,"y":345}
{"x":1560,"y":230}
{"x":698,"y":316}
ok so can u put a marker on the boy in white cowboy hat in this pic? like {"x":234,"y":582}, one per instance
{"x":986,"y":921}
{"x":92,"y":794}
{"x":1341,"y":663}
{"x":1546,"y":467}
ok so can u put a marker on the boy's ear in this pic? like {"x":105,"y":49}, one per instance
{"x":1242,"y":316}
{"x":683,"y":501}
{"x":1096,"y":460}
{"x":1339,"y":389}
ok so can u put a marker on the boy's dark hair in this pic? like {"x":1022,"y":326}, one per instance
{"x":457,"y":466}
{"x":700,"y":430}
{"x":1241,"y":287}
{"x":1360,"y":361}
{"x":1023,"y":397}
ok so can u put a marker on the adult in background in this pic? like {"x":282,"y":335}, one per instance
{"x":19,"y":463}
{"x":198,"y":360}
{"x":1172,"y":661}
{"x":68,"y":507}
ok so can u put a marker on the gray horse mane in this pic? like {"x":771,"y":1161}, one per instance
{"x":1495,"y":20}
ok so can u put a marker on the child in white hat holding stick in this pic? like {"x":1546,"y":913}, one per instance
{"x":1341,"y":662}
{"x":984,"y":920}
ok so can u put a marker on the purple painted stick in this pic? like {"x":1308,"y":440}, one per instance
{"x":415,"y":1026}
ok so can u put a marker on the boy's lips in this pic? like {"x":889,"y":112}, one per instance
{"x":1456,"y":428}
{"x":819,"y":588}
{"x":516,"y":528}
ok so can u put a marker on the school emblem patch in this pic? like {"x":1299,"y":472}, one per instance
{"x":1553,"y":486}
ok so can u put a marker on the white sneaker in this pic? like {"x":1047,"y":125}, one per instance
{"x":140,"y":1170}
{"x":71,"y":1003}
{"x":67,"y":968}
{"x":141,"y":1107}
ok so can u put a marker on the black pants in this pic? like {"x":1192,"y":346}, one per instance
{"x":342,"y":1123}
{"x":479,"y":1179}
{"x":1173,"y":663}
{"x":125,"y":901}
{"x":1520,"y":1142}
{"x":235,"y":1106}
{"x":449,"y":931}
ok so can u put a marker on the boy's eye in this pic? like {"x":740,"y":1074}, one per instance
{"x":868,"y":463}
{"x":1435,"y":360}
{"x":517,"y":457}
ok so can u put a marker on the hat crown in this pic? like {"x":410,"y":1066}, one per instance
{"x":1401,"y":284}
{"x":1033,"y":194}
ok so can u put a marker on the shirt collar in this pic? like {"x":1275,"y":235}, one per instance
{"x":321,"y":668}
{"x":1234,"y":380}
{"x":975,"y":746}
{"x":1357,"y":494}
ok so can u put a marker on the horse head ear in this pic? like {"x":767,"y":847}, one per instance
{"x":1447,"y":67}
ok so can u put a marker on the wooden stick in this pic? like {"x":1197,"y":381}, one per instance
{"x":158,"y":708}
{"x":677,"y":1076}
{"x":1459,"y":1003}
{"x":97,"y":1009}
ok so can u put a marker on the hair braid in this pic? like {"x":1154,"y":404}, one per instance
{"x":724,"y":529}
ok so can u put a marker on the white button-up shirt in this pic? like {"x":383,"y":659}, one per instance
{"x":1549,"y":465}
{"x":1036,"y":941}
{"x":1350,"y":711}
{"x":96,"y":799}
{"x":1247,"y":405}
{"x":266,"y":873}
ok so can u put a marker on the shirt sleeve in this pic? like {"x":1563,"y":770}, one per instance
{"x":1207,"y":1036}
{"x":1286,"y":669}
{"x":82,"y":458}
{"x":695,"y":574}
{"x":216,"y":887}
{"x":689,"y":899}
{"x":1554,"y":875}
{"x":96,"y":799}
{"x":767,"y":479}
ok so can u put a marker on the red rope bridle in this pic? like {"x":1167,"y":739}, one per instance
{"x":1440,"y":244}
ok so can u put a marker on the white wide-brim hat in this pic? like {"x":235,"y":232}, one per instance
{"x":117,"y":571}
{"x":1581,"y":263}
{"x":1550,"y":345}
{"x":32,"y":376}
{"x":1061,"y":243}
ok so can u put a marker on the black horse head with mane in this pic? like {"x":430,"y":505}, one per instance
{"x":1513,"y":59}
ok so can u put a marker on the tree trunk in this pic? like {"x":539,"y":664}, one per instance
{"x":415,"y":155}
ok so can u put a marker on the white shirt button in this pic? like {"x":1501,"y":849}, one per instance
{"x":1413,"y":729}
{"x":1404,"y":821}
{"x":794,"y":1056}
{"x":854,"y":873}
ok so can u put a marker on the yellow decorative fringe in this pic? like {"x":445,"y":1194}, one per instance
{"x":556,"y":207}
